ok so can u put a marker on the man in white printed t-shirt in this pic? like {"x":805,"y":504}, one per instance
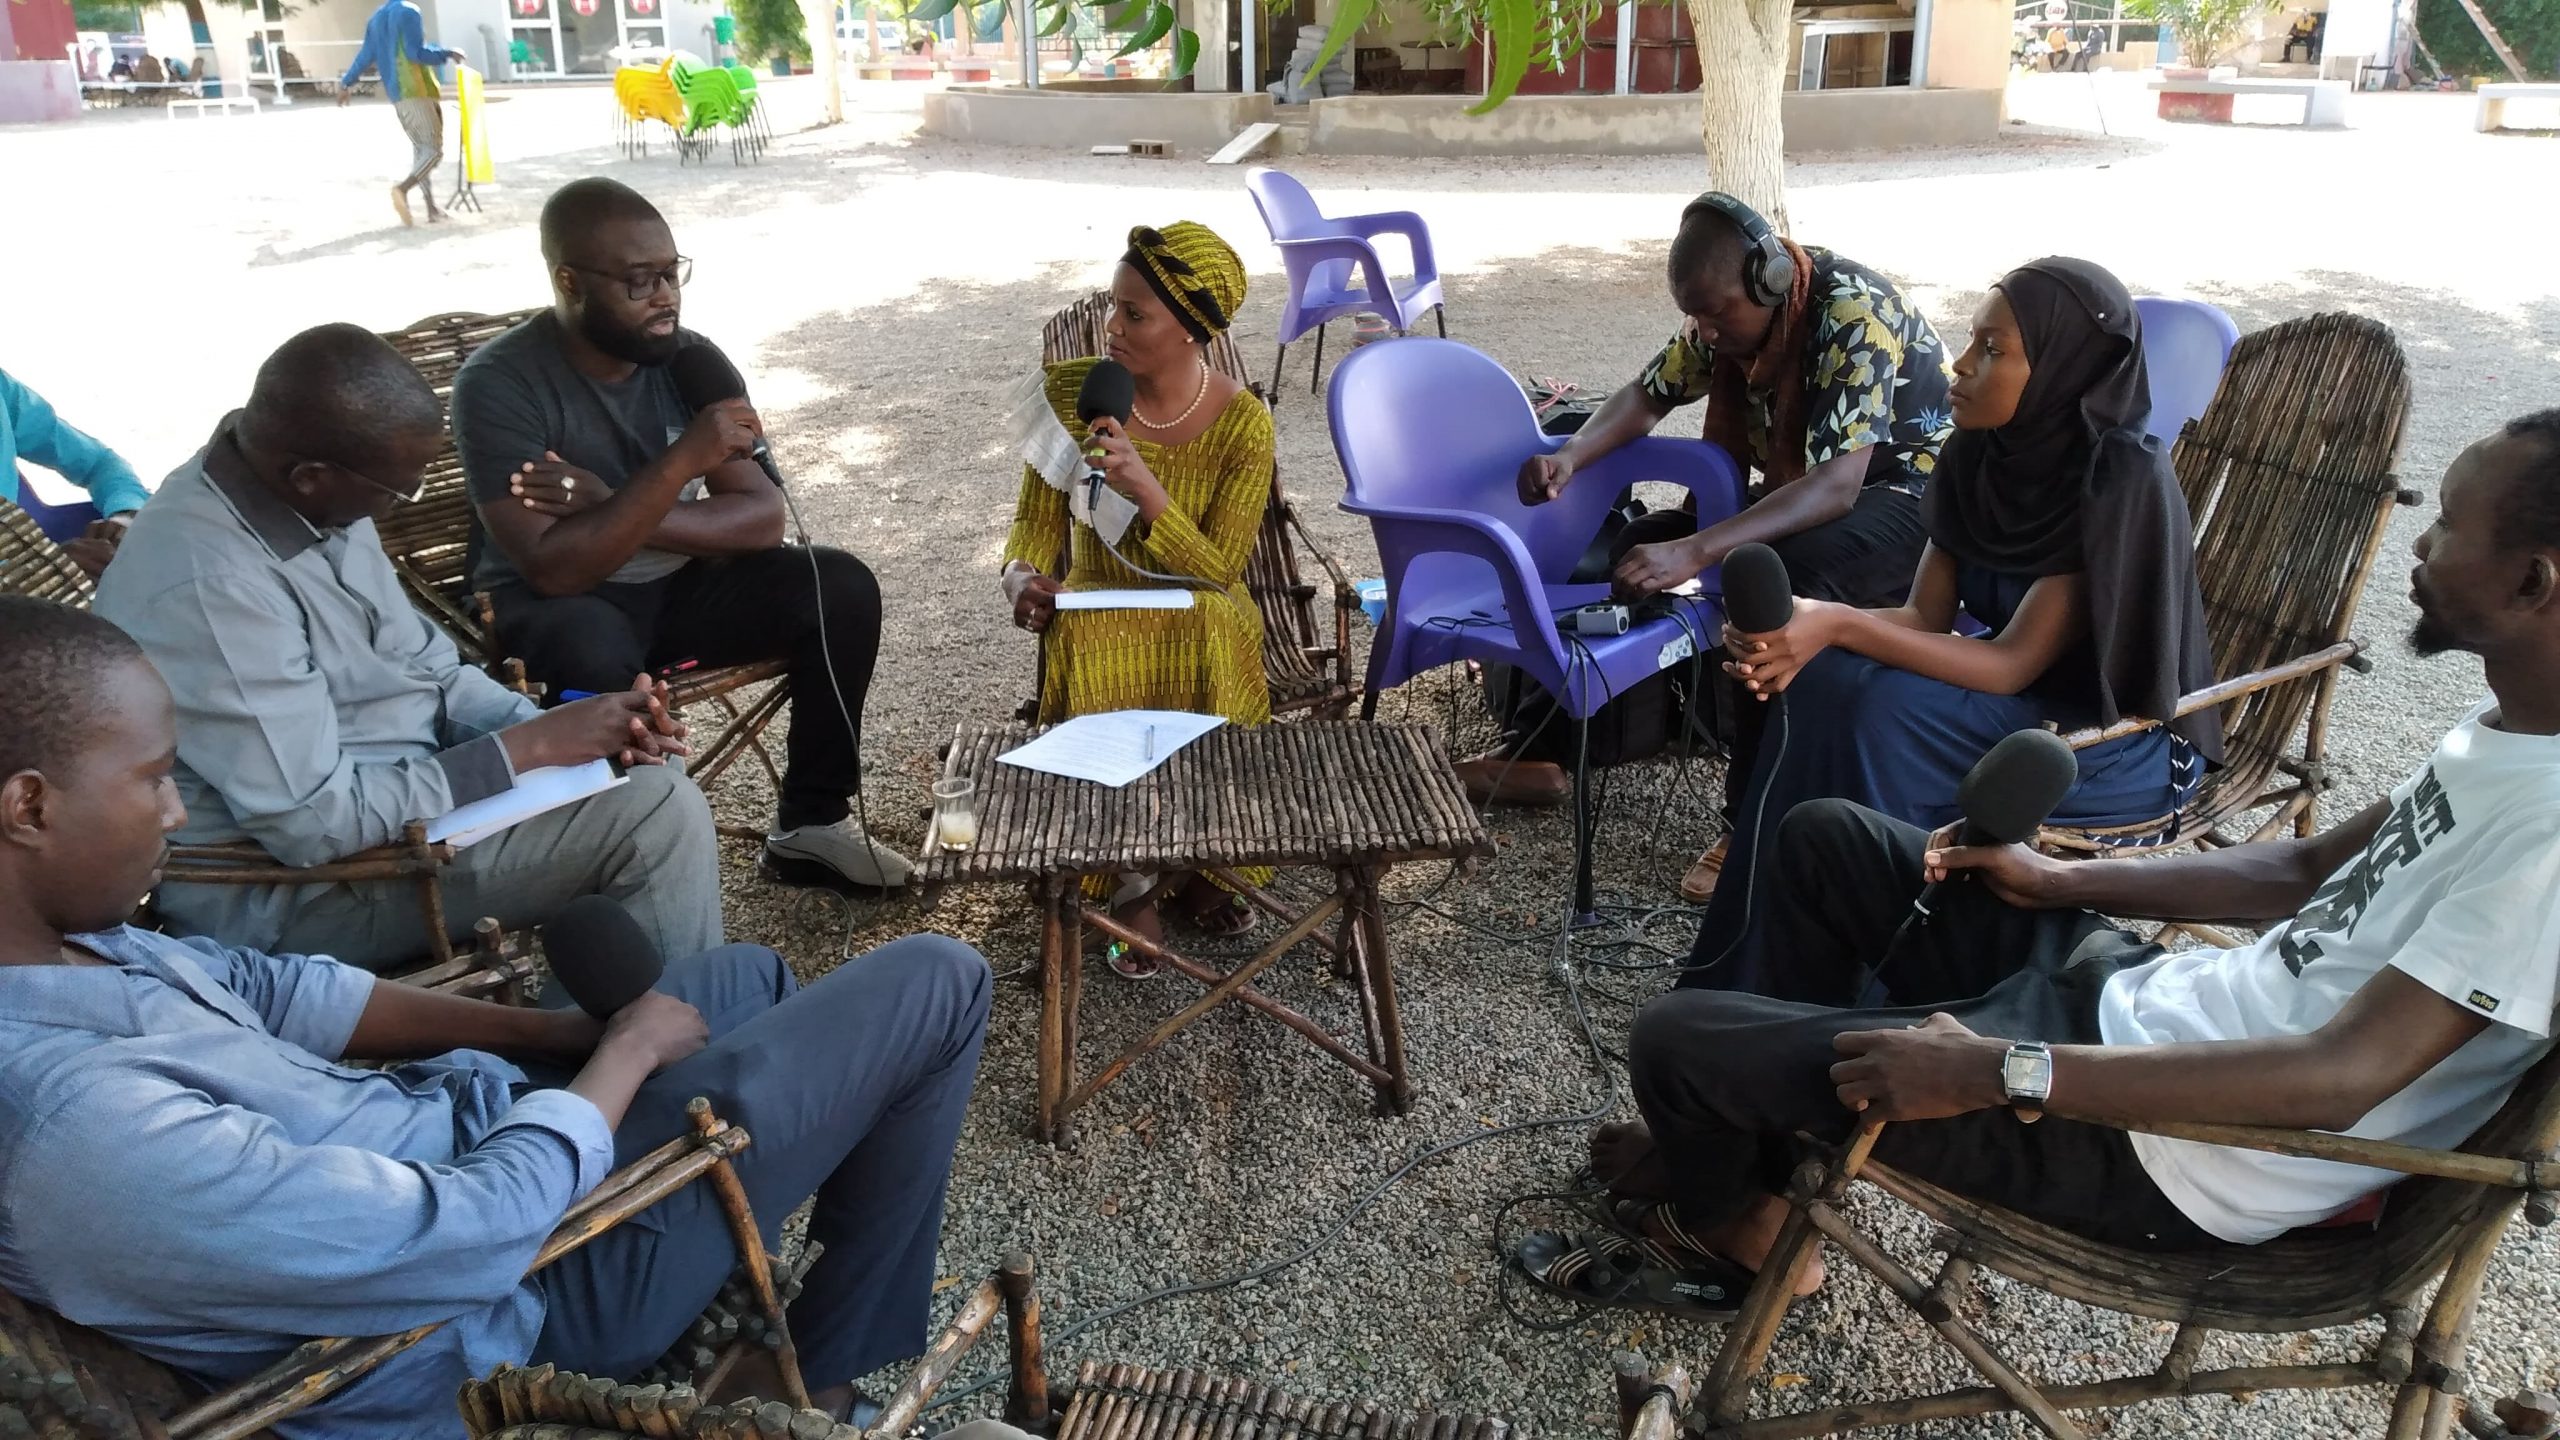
{"x":2405,"y":982}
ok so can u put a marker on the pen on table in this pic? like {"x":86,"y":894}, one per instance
{"x":1151,"y":743}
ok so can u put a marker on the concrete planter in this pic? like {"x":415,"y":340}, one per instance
{"x":1815,"y":121}
{"x":1070,"y":117}
{"x":972,"y":72}
{"x":911,"y":70}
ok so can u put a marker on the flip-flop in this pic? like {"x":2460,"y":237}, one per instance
{"x":1613,"y":1272}
{"x":1237,"y":917}
{"x":1129,"y":964}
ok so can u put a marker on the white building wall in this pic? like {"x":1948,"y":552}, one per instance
{"x":477,"y":28}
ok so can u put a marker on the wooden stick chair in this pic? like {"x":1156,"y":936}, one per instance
{"x":2288,"y":474}
{"x":68,"y":1382}
{"x":1307,"y":674}
{"x":2445,"y":1221}
{"x":431,"y":547}
{"x":495,"y":965}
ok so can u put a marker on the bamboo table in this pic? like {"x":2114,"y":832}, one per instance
{"x":1352,"y":799}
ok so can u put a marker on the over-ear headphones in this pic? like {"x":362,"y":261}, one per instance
{"x":1768,"y":271}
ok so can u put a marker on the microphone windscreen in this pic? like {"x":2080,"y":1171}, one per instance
{"x":1109,"y":389}
{"x":600,"y":955}
{"x":1757,"y":595}
{"x":704,"y":377}
{"x":2014,"y":786}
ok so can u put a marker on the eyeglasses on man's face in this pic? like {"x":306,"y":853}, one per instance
{"x":405,"y":497}
{"x":642,"y":283}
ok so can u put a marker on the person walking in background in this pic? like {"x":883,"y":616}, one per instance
{"x":395,"y":45}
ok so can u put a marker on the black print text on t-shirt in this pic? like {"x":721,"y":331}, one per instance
{"x":2420,"y":818}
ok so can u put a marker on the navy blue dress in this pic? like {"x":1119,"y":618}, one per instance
{"x":1899,"y":743}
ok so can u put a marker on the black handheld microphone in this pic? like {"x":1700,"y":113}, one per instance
{"x":2008,"y":793}
{"x":1109,"y":389}
{"x":600,"y":955}
{"x":704,"y":377}
{"x":1758,"y":597}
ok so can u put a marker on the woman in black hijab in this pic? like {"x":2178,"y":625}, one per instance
{"x":2056,"y":524}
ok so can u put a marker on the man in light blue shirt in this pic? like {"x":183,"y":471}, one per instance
{"x":30,"y":431}
{"x":193,"y":1101}
{"x":320,"y":711}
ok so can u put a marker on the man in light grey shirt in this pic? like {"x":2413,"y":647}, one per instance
{"x":319,"y":712}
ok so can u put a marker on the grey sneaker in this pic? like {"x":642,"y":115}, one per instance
{"x":835,"y":857}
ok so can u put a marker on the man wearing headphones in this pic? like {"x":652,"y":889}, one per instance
{"x":1819,"y":376}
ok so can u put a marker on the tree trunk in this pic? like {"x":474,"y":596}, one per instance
{"x":871,"y":32}
{"x":826,"y":57}
{"x":1742,"y":60}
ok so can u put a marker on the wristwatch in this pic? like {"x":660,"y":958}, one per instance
{"x":2026,"y":1076}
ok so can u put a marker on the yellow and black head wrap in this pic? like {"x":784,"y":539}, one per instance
{"x":1195,"y":273}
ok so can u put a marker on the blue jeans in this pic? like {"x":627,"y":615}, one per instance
{"x":852,"y":1091}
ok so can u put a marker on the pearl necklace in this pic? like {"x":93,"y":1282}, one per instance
{"x":1196,"y":397}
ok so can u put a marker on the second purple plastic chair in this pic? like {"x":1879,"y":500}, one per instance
{"x":1431,"y":435}
{"x":1335,"y":270}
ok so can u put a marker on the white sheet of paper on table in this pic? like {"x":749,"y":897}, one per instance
{"x":534,"y":793}
{"x":1112,"y":748}
{"x":1168,"y":599}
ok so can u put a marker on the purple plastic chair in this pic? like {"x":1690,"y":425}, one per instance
{"x":1334,"y":267}
{"x":2185,"y":344}
{"x":1431,"y":434}
{"x":61,"y":523}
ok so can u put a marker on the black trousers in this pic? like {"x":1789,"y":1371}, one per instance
{"x":765,"y":606}
{"x":1865,"y":558}
{"x":1727,"y":1080}
{"x":853,"y":1091}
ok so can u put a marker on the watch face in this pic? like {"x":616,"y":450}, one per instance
{"x":2027,"y":1073}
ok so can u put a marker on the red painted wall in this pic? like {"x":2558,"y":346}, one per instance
{"x":37,"y":30}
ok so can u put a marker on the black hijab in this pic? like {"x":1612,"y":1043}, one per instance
{"x":2073,"y":484}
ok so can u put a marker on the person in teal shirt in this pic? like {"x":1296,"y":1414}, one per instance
{"x":30,"y":431}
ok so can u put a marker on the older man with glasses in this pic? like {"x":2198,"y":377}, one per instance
{"x":319,"y":713}
{"x":629,"y":526}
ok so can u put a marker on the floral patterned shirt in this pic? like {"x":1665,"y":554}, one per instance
{"x":1875,"y":374}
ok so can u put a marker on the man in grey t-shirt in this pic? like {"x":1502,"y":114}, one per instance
{"x":623,"y":530}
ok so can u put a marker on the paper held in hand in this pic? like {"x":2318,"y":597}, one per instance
{"x":534,"y":793}
{"x":1169,"y":599}
{"x":1112,"y":748}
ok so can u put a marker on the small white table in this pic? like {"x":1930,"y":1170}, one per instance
{"x":223,"y":104}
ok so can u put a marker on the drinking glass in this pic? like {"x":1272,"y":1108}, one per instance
{"x":955,"y":813}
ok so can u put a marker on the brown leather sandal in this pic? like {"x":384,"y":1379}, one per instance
{"x":1699,"y":885}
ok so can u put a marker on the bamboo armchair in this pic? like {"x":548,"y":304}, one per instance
{"x":494,"y":965}
{"x":1306,"y":672}
{"x":67,"y":1382}
{"x":2288,"y":474}
{"x":433,"y":542}
{"x":2444,"y":1221}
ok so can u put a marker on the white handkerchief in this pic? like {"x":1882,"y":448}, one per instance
{"x":1051,"y":449}
{"x":1043,"y":443}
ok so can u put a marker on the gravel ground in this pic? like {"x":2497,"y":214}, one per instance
{"x":879,"y":288}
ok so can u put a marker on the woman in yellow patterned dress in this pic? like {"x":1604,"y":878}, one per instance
{"x":1195,"y":462}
